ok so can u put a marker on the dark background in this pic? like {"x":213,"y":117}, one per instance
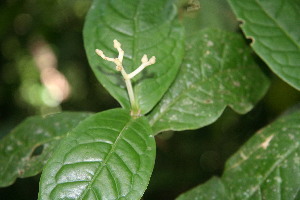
{"x":184,"y":159}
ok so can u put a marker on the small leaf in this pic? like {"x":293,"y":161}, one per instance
{"x":218,"y":70}
{"x":274,"y":28}
{"x":25,"y":150}
{"x":142,"y":27}
{"x":266,"y":167}
{"x":108,"y":156}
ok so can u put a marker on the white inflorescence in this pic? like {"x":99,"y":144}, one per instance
{"x":119,"y":67}
{"x":118,"y":61}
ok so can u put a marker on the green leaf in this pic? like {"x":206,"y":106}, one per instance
{"x":218,"y":70}
{"x":211,"y":14}
{"x":142,"y":27}
{"x":25,"y":150}
{"x":212,"y":189}
{"x":266,"y":167}
{"x":108,"y":156}
{"x":274,"y":28}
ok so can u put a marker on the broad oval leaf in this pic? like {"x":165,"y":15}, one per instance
{"x":218,"y":70}
{"x":274,"y":28}
{"x":266,"y":167}
{"x":142,"y":27}
{"x":27,"y":148}
{"x":108,"y":156}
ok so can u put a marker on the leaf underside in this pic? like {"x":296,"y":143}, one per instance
{"x":266,"y":167}
{"x":108,"y":156}
{"x":142,"y":27}
{"x":19,"y":150}
{"x":218,"y":70}
{"x":274,"y":28}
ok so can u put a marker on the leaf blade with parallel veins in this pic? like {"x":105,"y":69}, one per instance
{"x":17,"y":149}
{"x":273,"y":27}
{"x":218,"y":70}
{"x":108,"y":156}
{"x":142,"y":27}
{"x":266,"y":167}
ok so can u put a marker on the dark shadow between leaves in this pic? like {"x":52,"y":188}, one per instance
{"x":38,"y":150}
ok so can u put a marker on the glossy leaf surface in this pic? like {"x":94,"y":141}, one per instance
{"x":274,"y":28}
{"x":108,"y":156}
{"x":142,"y":27}
{"x":266,"y":167}
{"x":26,"y":149}
{"x":218,"y":70}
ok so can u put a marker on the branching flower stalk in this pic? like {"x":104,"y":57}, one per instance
{"x":135,"y":111}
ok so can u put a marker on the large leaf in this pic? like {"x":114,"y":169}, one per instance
{"x":25,"y":150}
{"x":142,"y":27}
{"x":274,"y":28}
{"x":266,"y":167}
{"x":108,"y":156}
{"x":218,"y":70}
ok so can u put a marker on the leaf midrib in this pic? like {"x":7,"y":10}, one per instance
{"x":102,"y":164}
{"x":278,"y":25}
{"x":273,"y":167}
{"x":276,"y":164}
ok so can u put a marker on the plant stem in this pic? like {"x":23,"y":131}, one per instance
{"x":134,"y":106}
{"x":135,"y":111}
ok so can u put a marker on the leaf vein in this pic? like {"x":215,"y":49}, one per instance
{"x":107,"y":157}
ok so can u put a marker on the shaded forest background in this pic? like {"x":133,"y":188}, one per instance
{"x":44,"y":69}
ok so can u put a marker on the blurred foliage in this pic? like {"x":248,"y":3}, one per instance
{"x":184,"y":159}
{"x":59,"y":24}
